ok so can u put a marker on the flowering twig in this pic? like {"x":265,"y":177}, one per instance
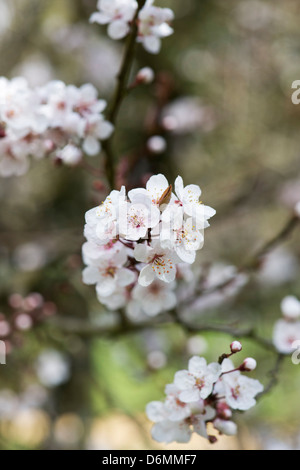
{"x":120,"y":93}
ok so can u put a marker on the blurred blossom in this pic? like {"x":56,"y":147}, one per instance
{"x":156,"y":360}
{"x":196,"y":345}
{"x":30,"y":257}
{"x":157,"y":144}
{"x":92,"y":53}
{"x":188,"y":115}
{"x":68,"y":429}
{"x":36,"y":69}
{"x":254,"y":14}
{"x":23,"y":322}
{"x":52,"y":368}
{"x":4,"y":328}
{"x":279,"y":267}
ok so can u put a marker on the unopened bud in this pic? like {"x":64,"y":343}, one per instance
{"x":223,"y":410}
{"x":212,"y":439}
{"x":236,"y":347}
{"x":248,"y":365}
{"x":290,"y":307}
{"x":229,"y":428}
{"x":145,"y":75}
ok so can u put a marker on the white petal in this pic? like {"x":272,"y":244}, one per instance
{"x":106,"y":287}
{"x":197,"y":366}
{"x":100,"y":18}
{"x":105,"y":130}
{"x":141,"y":252}
{"x":183,"y":380}
{"x":146,"y":276}
{"x":152,"y":44}
{"x":156,"y":411}
{"x":91,"y":275}
{"x":118,"y":29}
{"x":91,"y":146}
{"x":125,"y":277}
{"x":189,"y":396}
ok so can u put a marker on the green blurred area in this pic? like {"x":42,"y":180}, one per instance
{"x":239,"y":59}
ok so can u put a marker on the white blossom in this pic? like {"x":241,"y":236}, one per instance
{"x":151,"y":235}
{"x":55,"y":119}
{"x":160,"y":263}
{"x":117,"y":14}
{"x":156,"y":298}
{"x":240,"y":391}
{"x":285,"y":334}
{"x":198,"y":381}
{"x":153,"y":25}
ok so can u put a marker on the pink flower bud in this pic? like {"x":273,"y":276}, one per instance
{"x":145,"y":75}
{"x":236,"y":347}
{"x":248,"y":365}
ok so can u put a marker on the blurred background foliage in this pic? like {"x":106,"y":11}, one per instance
{"x":228,"y":71}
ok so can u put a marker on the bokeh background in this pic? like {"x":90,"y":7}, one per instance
{"x":223,"y":102}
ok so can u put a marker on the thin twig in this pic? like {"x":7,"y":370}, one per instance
{"x":273,"y":376}
{"x":120,"y":93}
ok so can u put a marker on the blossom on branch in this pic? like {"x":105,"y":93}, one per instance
{"x":203,"y":394}
{"x":53,"y":120}
{"x":153,"y":22}
{"x":148,"y":229}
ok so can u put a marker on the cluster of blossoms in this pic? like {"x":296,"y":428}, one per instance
{"x":153,"y":22}
{"x":55,"y":119}
{"x":286,"y":335}
{"x":204,"y":394}
{"x":137,"y":243}
{"x":26,"y":312}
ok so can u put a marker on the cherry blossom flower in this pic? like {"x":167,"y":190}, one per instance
{"x":160,"y":263}
{"x":198,"y":381}
{"x":189,"y":197}
{"x":285,"y":334}
{"x":156,"y":186}
{"x":154,"y":25}
{"x":240,"y":391}
{"x":156,"y":298}
{"x":70,"y":155}
{"x":153,"y":234}
{"x":118,"y":14}
{"x":53,"y":120}
{"x":175,"y":420}
{"x":136,"y":219}
{"x":109,"y":274}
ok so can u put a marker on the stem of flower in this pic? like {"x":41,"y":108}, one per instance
{"x":120,"y":94}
